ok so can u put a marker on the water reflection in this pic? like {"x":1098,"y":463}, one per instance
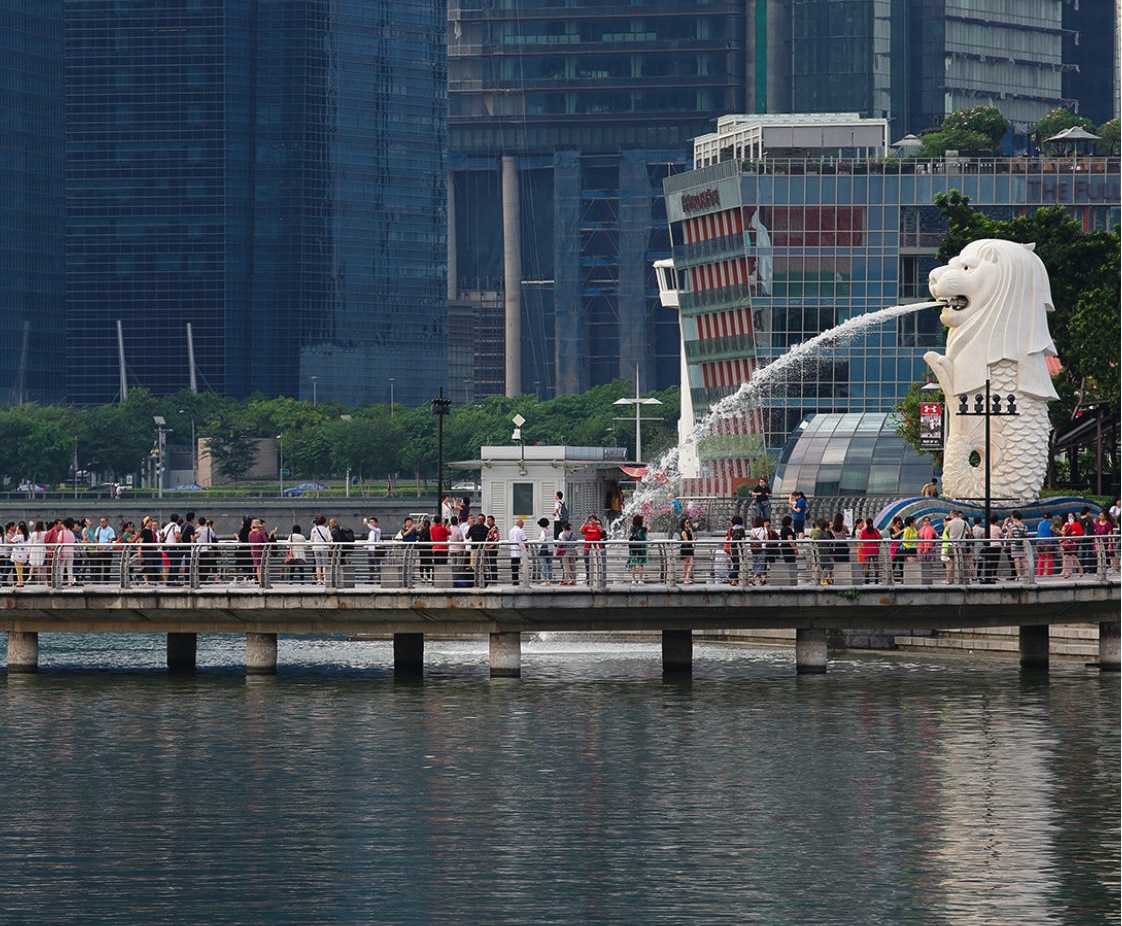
{"x":589,"y":791}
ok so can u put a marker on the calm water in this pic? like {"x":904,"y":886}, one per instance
{"x":892,"y":791}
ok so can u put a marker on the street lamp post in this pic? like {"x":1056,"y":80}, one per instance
{"x":392,"y":379}
{"x":638,"y":403}
{"x":315,"y":395}
{"x":440,"y":408}
{"x":280,"y":468}
{"x":987,"y":406}
{"x":161,"y":438}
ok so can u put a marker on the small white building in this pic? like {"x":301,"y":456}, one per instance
{"x":522,"y":481}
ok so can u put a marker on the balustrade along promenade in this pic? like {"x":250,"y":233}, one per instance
{"x":502,"y":590}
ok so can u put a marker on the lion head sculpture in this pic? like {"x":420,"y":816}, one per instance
{"x":997,"y":296}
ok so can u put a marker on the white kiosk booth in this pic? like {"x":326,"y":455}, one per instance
{"x":522,"y":481}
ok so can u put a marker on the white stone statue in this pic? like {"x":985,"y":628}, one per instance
{"x":997,"y":298}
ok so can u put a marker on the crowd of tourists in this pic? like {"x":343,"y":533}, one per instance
{"x":462,"y":547}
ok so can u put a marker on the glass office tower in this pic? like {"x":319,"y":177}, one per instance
{"x":259,"y":186}
{"x":32,"y":317}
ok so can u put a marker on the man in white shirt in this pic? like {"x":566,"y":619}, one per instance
{"x":517,"y":538}
{"x":374,"y":552}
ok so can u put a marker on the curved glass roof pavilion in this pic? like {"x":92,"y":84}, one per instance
{"x":850,"y":454}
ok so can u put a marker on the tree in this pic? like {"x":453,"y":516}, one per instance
{"x":1054,"y":122}
{"x":232,"y":447}
{"x":975,"y":129}
{"x":1108,"y":143}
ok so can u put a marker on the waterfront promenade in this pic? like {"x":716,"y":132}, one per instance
{"x":405,"y":591}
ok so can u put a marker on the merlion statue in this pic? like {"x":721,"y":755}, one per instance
{"x":996,"y":297}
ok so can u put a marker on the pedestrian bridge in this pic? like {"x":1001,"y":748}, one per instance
{"x":404,"y":591}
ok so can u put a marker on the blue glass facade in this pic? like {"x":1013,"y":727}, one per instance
{"x":32,"y":318}
{"x":270,"y":174}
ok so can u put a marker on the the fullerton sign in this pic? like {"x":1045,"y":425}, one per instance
{"x":706,"y":199}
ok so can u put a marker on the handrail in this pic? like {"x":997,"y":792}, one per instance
{"x":601,"y":564}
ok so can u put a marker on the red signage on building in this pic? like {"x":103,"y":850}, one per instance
{"x":706,"y":199}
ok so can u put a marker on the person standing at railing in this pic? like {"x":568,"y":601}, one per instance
{"x":205,"y":539}
{"x":517,"y":538}
{"x":686,"y":550}
{"x":1045,"y":546}
{"x":491,"y":550}
{"x":1016,"y":532}
{"x":66,"y":540}
{"x":36,"y":553}
{"x":798,"y":513}
{"x":6,"y":570}
{"x":761,"y":498}
{"x":258,"y":537}
{"x":440,"y":533}
{"x":476,"y":535}
{"x":169,"y":537}
{"x":637,"y":549}
{"x":1087,"y":544}
{"x":955,"y":531}
{"x":868,"y":551}
{"x":1104,"y":542}
{"x":1072,"y":533}
{"x":567,"y":551}
{"x":757,"y":545}
{"x":373,"y":548}
{"x":457,"y":553}
{"x":104,"y":537}
{"x":594,"y":559}
{"x":896,"y":537}
{"x":424,"y":544}
{"x":991,"y":552}
{"x":545,"y":550}
{"x":321,"y":546}
{"x":18,"y":541}
{"x":182,"y":562}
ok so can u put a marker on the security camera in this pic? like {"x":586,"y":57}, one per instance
{"x":517,"y":436}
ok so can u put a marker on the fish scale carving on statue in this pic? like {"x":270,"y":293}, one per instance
{"x":996,"y":298}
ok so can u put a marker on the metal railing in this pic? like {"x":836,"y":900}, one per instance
{"x":395,"y":565}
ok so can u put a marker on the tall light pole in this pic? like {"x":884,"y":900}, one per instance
{"x":392,"y":381}
{"x":280,"y":468}
{"x":638,"y":403}
{"x":161,"y":439}
{"x":440,"y":408}
{"x":315,"y":397}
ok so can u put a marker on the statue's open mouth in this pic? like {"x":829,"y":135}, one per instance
{"x":958,"y":303}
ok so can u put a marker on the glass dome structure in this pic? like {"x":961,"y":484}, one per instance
{"x":850,"y":454}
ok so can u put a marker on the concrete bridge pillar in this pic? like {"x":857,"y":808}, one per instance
{"x":182,"y":650}
{"x":506,"y":655}
{"x":677,"y":652}
{"x":810,"y":651}
{"x":408,"y":653}
{"x":1034,"y":646}
{"x":260,"y":653}
{"x":1109,"y":646}
{"x":23,"y":651}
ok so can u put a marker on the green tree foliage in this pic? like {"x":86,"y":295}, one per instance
{"x":232,"y":446}
{"x":1054,"y":122}
{"x":1108,"y":143}
{"x":976,"y":129}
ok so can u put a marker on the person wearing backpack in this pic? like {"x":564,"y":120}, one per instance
{"x":560,"y":514}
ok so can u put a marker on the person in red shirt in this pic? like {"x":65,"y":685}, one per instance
{"x":593,"y":534}
{"x":439,"y":533}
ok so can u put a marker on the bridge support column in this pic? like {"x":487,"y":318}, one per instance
{"x":677,"y":652}
{"x":1034,"y":646}
{"x":408,"y":653}
{"x":506,"y":655}
{"x":260,"y":653}
{"x":23,"y":651}
{"x":182,"y":649}
{"x":1109,"y":632}
{"x":810,"y":651}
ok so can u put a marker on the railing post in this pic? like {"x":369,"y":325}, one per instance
{"x":194,"y":567}
{"x":124,"y":578}
{"x":527,"y":565}
{"x":265,"y":582}
{"x":1029,"y":577}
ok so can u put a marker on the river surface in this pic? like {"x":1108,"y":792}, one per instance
{"x":895,"y":790}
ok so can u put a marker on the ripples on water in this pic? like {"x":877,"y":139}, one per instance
{"x":892,"y":791}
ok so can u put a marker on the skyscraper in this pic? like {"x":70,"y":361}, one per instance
{"x":267,"y":176}
{"x":32,"y":321}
